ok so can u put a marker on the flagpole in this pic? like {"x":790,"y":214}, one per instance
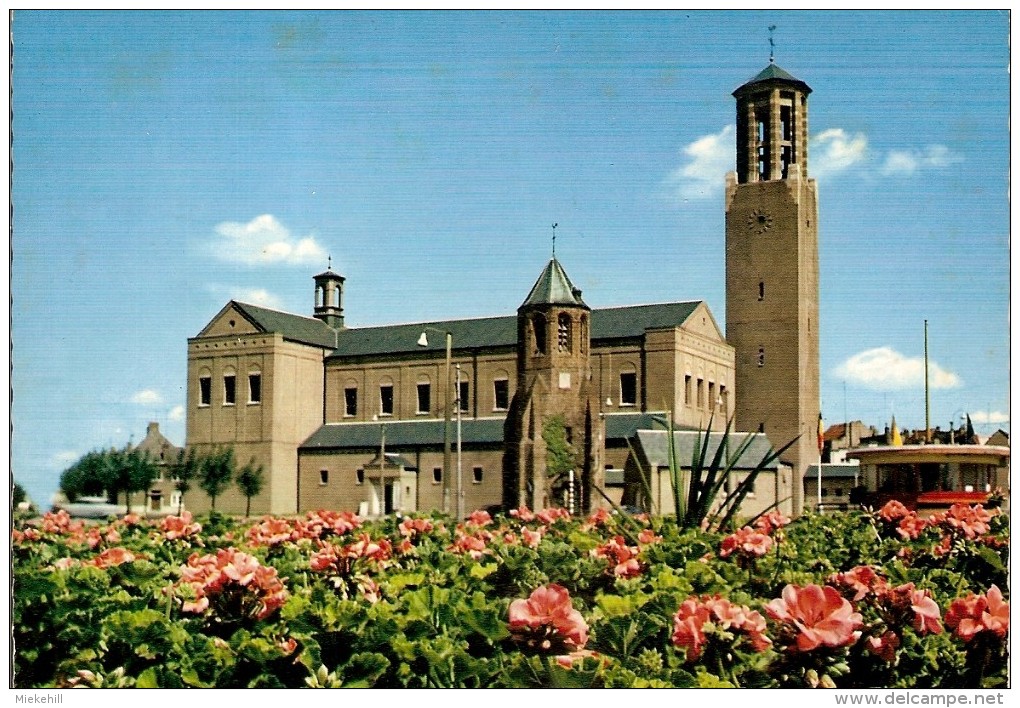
{"x":927,"y":400}
{"x":821,"y":433}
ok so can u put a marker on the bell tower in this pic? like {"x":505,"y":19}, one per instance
{"x":553,"y":381}
{"x":772,"y":269}
{"x":329,"y":297}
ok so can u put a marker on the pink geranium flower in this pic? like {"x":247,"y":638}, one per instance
{"x":911,"y":526}
{"x":179,"y":527}
{"x":113,"y":556}
{"x":622,"y":558}
{"x":547,"y":621}
{"x":885,"y":646}
{"x":522,"y":513}
{"x":698,"y":620}
{"x":550,"y":515}
{"x":270,"y":532}
{"x":480,"y":517}
{"x":970,"y":521}
{"x":772,"y":521}
{"x":861,"y":580}
{"x":234,"y":583}
{"x":747,"y":542}
{"x":971,"y":615}
{"x":893,"y":511}
{"x":820,"y":616}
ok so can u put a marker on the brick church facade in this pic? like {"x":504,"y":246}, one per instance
{"x":450,"y":415}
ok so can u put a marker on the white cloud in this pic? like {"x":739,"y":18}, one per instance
{"x":907,"y":162}
{"x":177,"y":413}
{"x":707,"y":160}
{"x":884,"y":368}
{"x":835,"y":150}
{"x":989,"y":417}
{"x":147,"y":397}
{"x":264,"y":241}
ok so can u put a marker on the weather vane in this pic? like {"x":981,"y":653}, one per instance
{"x":329,"y":262}
{"x":554,"y":238}
{"x":772,"y":44}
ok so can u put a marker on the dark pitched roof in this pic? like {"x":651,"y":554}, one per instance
{"x":329,"y":273}
{"x":654,"y":446}
{"x":403,"y":338}
{"x":633,"y":320}
{"x":298,"y":328}
{"x":834,"y":471}
{"x":773,"y":72}
{"x":623,"y":426}
{"x":553,"y":287}
{"x":609,"y":323}
{"x":401,"y":434}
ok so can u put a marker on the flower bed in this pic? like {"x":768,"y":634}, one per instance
{"x":857,"y":599}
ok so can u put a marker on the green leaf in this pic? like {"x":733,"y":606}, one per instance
{"x":482,"y":570}
{"x":148,"y":679}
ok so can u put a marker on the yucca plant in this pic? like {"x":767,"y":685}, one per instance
{"x":694,"y":493}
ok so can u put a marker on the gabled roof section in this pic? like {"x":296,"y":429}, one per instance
{"x":608,"y":323}
{"x":773,"y":72}
{"x":632,"y":321}
{"x":553,"y":287}
{"x":654,"y":446}
{"x":403,"y":338}
{"x":400,"y":434}
{"x":296,"y":328}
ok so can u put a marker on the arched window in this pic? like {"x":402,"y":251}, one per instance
{"x":538,"y":325}
{"x":563,"y":332}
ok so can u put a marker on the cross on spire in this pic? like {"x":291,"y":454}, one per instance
{"x":329,"y":262}
{"x":554,"y":238}
{"x":772,"y":45}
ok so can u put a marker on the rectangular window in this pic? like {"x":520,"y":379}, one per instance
{"x":323,"y":477}
{"x":437,"y":475}
{"x":628,"y":388}
{"x":687,"y":390}
{"x":711,"y":395}
{"x":254,"y":388}
{"x":701,"y":393}
{"x":424,"y":398}
{"x":229,"y":390}
{"x":501,"y":392}
{"x":464,"y":396}
{"x":386,"y":399}
{"x":350,"y":402}
{"x":723,"y":403}
{"x":204,"y":390}
{"x":479,"y":473}
{"x":359,"y":477}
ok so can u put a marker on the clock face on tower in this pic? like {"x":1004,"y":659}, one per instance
{"x":759,"y":221}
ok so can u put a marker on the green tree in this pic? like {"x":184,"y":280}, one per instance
{"x":217,"y":471}
{"x":250,"y":480}
{"x":186,"y":470}
{"x":141,"y":472}
{"x":89,"y":476}
{"x":560,"y":456}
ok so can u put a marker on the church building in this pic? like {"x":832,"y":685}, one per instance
{"x":457,"y":415}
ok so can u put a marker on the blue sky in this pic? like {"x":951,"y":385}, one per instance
{"x":167,"y":162}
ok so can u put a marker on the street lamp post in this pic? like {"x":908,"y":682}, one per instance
{"x":460,"y":473}
{"x":423,"y":341}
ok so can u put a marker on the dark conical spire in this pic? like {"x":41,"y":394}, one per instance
{"x":553,"y":287}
